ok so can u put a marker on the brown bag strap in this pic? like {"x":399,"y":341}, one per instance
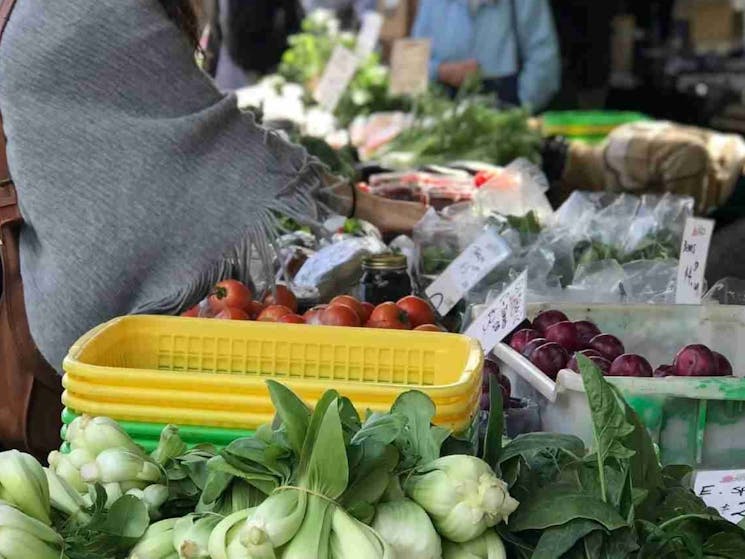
{"x":9,"y":212}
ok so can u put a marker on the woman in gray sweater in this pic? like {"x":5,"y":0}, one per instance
{"x":135,"y":175}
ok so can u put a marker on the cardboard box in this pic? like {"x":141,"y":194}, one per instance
{"x":398,"y":17}
{"x":714,"y":24}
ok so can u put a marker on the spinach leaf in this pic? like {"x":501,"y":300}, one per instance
{"x":725,"y":544}
{"x":609,"y":423}
{"x":530,"y":444}
{"x":555,"y":508}
{"x":557,"y":540}
{"x":495,"y":425}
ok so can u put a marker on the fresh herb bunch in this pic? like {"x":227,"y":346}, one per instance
{"x":309,"y":52}
{"x":468,"y":128}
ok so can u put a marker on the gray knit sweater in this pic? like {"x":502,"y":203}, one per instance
{"x":135,"y":175}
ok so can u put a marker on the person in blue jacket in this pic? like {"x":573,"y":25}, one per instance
{"x":512,"y":43}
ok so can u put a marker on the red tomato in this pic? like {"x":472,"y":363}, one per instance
{"x":482,"y":177}
{"x":230,"y":293}
{"x":284,"y":297}
{"x":254,"y":309}
{"x":313,"y":316}
{"x":428,"y":328}
{"x":231,"y":313}
{"x":420,"y":311}
{"x":291,"y":319}
{"x":273,"y":313}
{"x":368,"y":309}
{"x":192,"y":312}
{"x":339,"y":315}
{"x":352,"y":303}
{"x":389,"y":317}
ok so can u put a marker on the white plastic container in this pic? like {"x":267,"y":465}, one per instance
{"x":695,"y":421}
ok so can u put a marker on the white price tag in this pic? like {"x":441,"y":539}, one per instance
{"x":471,"y":266}
{"x":410,"y":66}
{"x":336,"y":77}
{"x":502,"y":316}
{"x":694,"y":252}
{"x":724,"y":491}
{"x":367,"y":40}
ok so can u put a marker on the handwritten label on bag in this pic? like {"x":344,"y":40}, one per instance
{"x":471,"y":266}
{"x":724,"y":491}
{"x":336,"y":77}
{"x":502,"y":316}
{"x":410,"y":66}
{"x":367,"y":40}
{"x":694,"y":252}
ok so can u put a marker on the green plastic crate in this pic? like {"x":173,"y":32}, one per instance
{"x":589,"y":126}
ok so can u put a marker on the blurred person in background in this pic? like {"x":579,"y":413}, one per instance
{"x":511,"y":44}
{"x":249,"y":37}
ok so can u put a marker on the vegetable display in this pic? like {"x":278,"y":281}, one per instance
{"x":554,"y":343}
{"x":328,"y":483}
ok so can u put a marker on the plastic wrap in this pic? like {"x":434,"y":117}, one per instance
{"x":516,"y":190}
{"x":432,"y":189}
{"x":337,"y":268}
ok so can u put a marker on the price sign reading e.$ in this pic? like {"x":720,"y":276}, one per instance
{"x":724,"y":491}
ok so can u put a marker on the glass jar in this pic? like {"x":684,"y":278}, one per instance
{"x":384,"y":278}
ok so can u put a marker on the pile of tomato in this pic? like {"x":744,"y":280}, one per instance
{"x":232,"y":300}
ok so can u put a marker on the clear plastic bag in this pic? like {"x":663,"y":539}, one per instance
{"x":518,"y":189}
{"x":727,"y":291}
{"x":337,"y":268}
{"x":437,"y":243}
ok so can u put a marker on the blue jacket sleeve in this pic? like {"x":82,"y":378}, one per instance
{"x":540,"y":78}
{"x":423,"y":30}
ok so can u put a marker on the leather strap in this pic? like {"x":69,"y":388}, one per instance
{"x":5,"y":9}
{"x":10,"y":214}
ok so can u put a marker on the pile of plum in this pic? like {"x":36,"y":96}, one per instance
{"x":552,"y":343}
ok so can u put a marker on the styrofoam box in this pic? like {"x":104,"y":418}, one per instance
{"x":695,"y":421}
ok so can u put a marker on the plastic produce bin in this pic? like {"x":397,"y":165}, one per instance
{"x":588,"y":126}
{"x":213,"y":373}
{"x":695,"y":421}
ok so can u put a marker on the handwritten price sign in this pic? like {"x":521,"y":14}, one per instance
{"x":694,"y":252}
{"x":473,"y":264}
{"x":336,"y":77}
{"x":724,"y":491}
{"x":502,"y":316}
{"x":367,"y":40}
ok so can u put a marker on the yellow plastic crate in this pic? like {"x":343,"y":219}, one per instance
{"x":213,"y":373}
